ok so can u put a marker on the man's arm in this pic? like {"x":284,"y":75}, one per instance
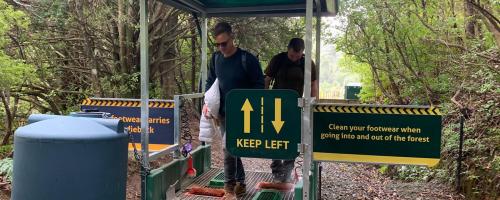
{"x":314,"y":81}
{"x":255,"y":73}
{"x":267,"y":82}
{"x":314,"y":89}
{"x":210,"y":81}
{"x":211,"y":73}
{"x":270,"y":72}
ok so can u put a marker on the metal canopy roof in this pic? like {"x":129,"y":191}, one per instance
{"x":249,"y":8}
{"x":235,"y":8}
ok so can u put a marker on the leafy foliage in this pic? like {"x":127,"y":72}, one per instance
{"x":433,"y":53}
{"x":414,"y":173}
{"x":6,"y":168}
{"x":5,"y":150}
{"x":55,"y":53}
{"x":430,"y":52}
{"x":13,"y":71}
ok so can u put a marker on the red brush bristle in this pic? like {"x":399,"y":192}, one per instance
{"x":206,"y":191}
{"x":191,"y":173}
{"x":275,"y":186}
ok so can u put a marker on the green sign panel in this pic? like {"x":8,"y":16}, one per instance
{"x":392,"y":135}
{"x":263,"y":123}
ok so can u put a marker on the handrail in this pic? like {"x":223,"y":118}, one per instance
{"x":177,"y":126}
{"x":128,"y":99}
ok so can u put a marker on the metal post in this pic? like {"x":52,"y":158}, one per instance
{"x":306,"y":122}
{"x":320,"y":169}
{"x":177,"y":126}
{"x":460,"y":149}
{"x":144,"y":42}
{"x":318,"y":41}
{"x":314,"y":181}
{"x":204,"y":41}
{"x":317,"y":186}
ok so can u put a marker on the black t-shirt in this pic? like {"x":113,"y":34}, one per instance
{"x":288,"y":74}
{"x":233,"y":75}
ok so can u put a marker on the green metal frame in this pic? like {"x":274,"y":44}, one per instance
{"x":173,"y":173}
{"x":241,"y":8}
{"x":268,"y":195}
{"x":252,"y":8}
{"x":217,"y":181}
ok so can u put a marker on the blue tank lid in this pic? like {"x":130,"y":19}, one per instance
{"x":67,"y":128}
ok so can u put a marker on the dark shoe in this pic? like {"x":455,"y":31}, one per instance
{"x":240,"y":189}
{"x":282,"y":180}
{"x":229,"y":191}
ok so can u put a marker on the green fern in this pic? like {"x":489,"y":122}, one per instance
{"x":6,"y":168}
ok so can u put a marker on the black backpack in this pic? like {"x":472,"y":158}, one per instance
{"x":280,"y":64}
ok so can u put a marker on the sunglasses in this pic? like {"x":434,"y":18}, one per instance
{"x":222,"y":44}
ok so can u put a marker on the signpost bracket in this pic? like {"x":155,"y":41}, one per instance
{"x":301,"y":148}
{"x":301,"y":102}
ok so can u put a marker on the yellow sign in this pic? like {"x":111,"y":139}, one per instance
{"x":263,"y":123}
{"x":256,"y":143}
{"x":277,"y":123}
{"x":247,"y":108}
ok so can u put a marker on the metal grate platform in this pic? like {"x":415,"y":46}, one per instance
{"x":253,"y":178}
{"x":217,"y":181}
{"x":268,"y":195}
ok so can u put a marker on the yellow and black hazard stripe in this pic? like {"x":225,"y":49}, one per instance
{"x":161,"y":104}
{"x":125,"y":103}
{"x":377,"y":110}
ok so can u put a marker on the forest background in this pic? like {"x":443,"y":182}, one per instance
{"x":444,"y":53}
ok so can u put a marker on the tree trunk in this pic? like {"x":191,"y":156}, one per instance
{"x":193,"y":61}
{"x":393,"y":86}
{"x":132,"y":36}
{"x":89,"y":47}
{"x":424,"y":10}
{"x":182,"y":74}
{"x":122,"y":36}
{"x":491,"y":21}
{"x":170,"y":54}
{"x":8,"y":117}
{"x":376,"y":77}
{"x":470,"y":22}
{"x":428,"y":90}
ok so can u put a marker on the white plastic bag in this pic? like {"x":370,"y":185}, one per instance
{"x":207,"y":125}
{"x":212,"y":99}
{"x":206,"y":129}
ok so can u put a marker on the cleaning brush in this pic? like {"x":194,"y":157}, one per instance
{"x":206,"y":191}
{"x":191,"y":171}
{"x":276,"y":186}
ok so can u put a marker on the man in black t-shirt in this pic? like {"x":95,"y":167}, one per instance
{"x":235,"y":69}
{"x":286,"y":71}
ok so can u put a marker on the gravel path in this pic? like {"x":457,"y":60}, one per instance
{"x":339,"y":180}
{"x":361,"y":181}
{"x":353,"y":181}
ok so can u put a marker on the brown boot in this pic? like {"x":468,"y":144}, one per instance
{"x":240,"y":189}
{"x":229,"y":191}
